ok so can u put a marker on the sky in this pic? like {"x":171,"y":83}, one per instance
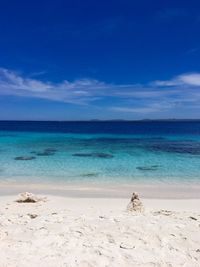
{"x":82,"y":60}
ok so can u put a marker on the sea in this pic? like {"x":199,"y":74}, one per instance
{"x":100,"y":151}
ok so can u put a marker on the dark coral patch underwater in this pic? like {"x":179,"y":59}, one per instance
{"x":148,"y":168}
{"x":25,"y":158}
{"x":93,"y":155}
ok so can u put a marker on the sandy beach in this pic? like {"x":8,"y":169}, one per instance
{"x":95,"y":189}
{"x":66,"y":231}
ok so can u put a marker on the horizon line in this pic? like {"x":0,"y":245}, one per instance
{"x":99,"y":120}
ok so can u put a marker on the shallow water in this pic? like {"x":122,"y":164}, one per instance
{"x":97,"y":151}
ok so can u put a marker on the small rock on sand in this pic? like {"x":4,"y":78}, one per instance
{"x":32,"y":216}
{"x":28,"y":198}
{"x":135,"y":204}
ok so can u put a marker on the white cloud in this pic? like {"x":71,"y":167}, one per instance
{"x":11,"y":81}
{"x":79,"y":91}
{"x":184,"y":80}
{"x":148,"y":108}
{"x":190,"y":79}
{"x":142,"y":110}
{"x":156,"y":96}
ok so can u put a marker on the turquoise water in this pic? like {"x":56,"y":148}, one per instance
{"x":99,"y":157}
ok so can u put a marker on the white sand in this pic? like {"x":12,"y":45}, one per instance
{"x":99,"y":232}
{"x":93,"y":189}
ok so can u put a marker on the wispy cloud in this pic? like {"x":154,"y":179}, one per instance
{"x":159,"y":95}
{"x":147,"y":107}
{"x":135,"y":110}
{"x":36,"y":74}
{"x":183,"y":80}
{"x":78,"y":91}
{"x":12,"y":83}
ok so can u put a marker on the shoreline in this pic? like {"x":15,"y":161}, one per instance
{"x":104,"y":190}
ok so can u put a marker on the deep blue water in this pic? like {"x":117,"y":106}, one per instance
{"x":100,"y":151}
{"x":107,"y":127}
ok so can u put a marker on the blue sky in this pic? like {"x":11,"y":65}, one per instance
{"x":71,"y":60}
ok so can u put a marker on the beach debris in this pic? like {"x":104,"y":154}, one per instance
{"x":94,"y":155}
{"x":126,"y":246}
{"x":135,"y":204}
{"x":163,"y":212}
{"x":102,"y":217}
{"x":28,"y":198}
{"x":193,"y":218}
{"x":25,"y":158}
{"x":32,"y":216}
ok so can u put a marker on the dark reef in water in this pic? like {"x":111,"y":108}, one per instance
{"x":126,"y":140}
{"x":45,"y":152}
{"x":52,"y":150}
{"x":181,"y":147}
{"x":25,"y":158}
{"x":90,"y":174}
{"x":148,"y":168}
{"x":94,"y":155}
